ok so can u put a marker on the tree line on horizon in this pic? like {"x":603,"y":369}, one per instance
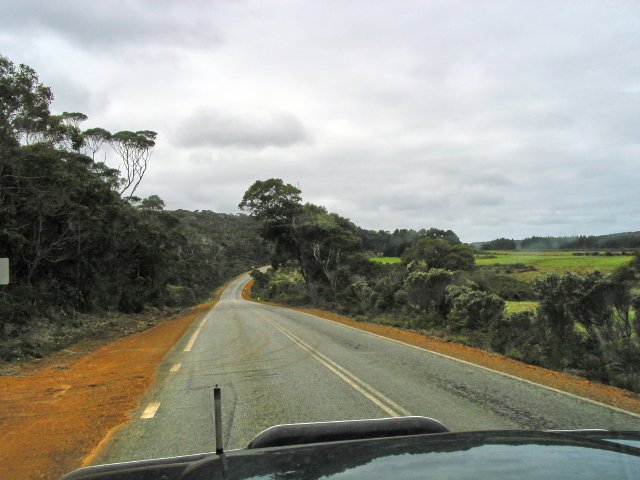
{"x":615,"y":241}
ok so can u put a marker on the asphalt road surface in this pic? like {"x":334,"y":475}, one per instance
{"x":278,"y":366}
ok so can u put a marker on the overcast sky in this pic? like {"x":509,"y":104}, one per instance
{"x":490,"y":118}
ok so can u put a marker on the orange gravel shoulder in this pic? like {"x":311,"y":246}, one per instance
{"x":561,"y":381}
{"x":54,"y":417}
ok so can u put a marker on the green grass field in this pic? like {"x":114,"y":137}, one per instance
{"x":513,"y":307}
{"x":551,"y":261}
{"x":542,"y":262}
{"x":385,"y":259}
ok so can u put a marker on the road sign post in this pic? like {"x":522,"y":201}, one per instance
{"x":4,"y":271}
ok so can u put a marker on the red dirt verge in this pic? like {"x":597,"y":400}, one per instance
{"x":55,"y":416}
{"x":572,"y":384}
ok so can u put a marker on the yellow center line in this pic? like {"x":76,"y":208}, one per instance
{"x":381,"y":400}
{"x":150,"y":411}
{"x":176,"y":367}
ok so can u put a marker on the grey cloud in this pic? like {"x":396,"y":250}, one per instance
{"x":480,"y":198}
{"x":211,"y":128}
{"x":492,"y":119}
{"x":114,"y":23}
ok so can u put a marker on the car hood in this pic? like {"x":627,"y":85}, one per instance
{"x":473,"y":455}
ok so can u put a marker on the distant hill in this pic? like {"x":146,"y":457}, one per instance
{"x":614,"y":240}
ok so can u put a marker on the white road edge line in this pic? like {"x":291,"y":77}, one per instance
{"x":176,"y":367}
{"x":386,"y":404}
{"x":193,"y":338}
{"x":150,"y":411}
{"x":546,"y":387}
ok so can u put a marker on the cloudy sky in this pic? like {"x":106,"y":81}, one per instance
{"x":490,"y":118}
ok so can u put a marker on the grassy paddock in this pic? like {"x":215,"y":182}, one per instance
{"x":514,"y":307}
{"x":551,"y":261}
{"x":385,"y":259}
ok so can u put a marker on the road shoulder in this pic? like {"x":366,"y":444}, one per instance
{"x":56,"y":418}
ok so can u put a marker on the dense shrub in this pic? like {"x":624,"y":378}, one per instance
{"x":473,"y":309}
{"x":506,"y":287}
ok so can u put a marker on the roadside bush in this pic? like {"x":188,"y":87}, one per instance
{"x":179,"y":296}
{"x":616,"y":363}
{"x":519,"y":336}
{"x":473,"y":309}
{"x":507,"y":288}
{"x":426,"y":320}
{"x":360,"y":294}
{"x":426,"y":289}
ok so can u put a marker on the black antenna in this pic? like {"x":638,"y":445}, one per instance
{"x":217,"y":408}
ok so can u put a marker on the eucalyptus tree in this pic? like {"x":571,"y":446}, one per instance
{"x":134,"y":150}
{"x":24,"y":102}
{"x":95,"y":139}
{"x":320,"y":242}
{"x":277,"y":206}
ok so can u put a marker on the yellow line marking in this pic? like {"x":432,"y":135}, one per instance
{"x":150,"y":411}
{"x":381,"y":400}
{"x":193,"y":338}
{"x":508,"y":375}
{"x":176,"y":367}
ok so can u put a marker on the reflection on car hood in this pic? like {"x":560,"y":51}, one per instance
{"x":473,"y":455}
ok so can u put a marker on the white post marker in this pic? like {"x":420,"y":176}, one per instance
{"x":4,"y":271}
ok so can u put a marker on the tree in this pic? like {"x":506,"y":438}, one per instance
{"x":621,"y":296}
{"x":439,"y":253}
{"x":24,"y":102}
{"x":569,"y":299}
{"x":398,"y":241}
{"x":276,"y":205}
{"x":426,"y":287}
{"x":94,"y":139}
{"x":553,"y":293}
{"x":326,"y":241}
{"x":273,"y":202}
{"x":320,"y":242}
{"x":473,"y":309}
{"x":64,"y":130}
{"x":152,"y":202}
{"x":447,"y":235}
{"x":134,"y":149}
{"x":500,"y":244}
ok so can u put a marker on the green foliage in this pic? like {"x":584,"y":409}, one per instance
{"x":505,"y":286}
{"x":613,"y":241}
{"x":397,"y":242}
{"x":75,"y":245}
{"x":553,"y":292}
{"x":152,"y":202}
{"x":323,"y":244}
{"x":24,"y":103}
{"x":439,"y":253}
{"x":134,"y":149}
{"x":426,"y":287}
{"x":500,"y":244}
{"x":473,"y":309}
{"x":274,"y":203}
{"x":520,"y":336}
{"x":94,"y":139}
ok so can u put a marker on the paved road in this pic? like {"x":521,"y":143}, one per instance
{"x":280,"y":366}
